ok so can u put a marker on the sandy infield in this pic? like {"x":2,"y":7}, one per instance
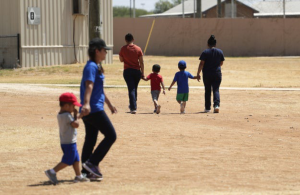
{"x":250,"y":147}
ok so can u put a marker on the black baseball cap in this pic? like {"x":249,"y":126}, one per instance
{"x":99,"y":44}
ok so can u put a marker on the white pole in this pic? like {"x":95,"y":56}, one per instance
{"x":232,"y":8}
{"x":194,"y":8}
{"x":133,"y":8}
{"x":283,"y":8}
{"x":182,"y":8}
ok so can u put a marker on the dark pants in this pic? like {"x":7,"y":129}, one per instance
{"x":212,"y":81}
{"x":132,"y":78}
{"x":94,"y":123}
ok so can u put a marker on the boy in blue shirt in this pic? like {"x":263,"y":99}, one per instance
{"x":181,"y":78}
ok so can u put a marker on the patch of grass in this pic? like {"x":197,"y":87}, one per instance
{"x":237,"y":72}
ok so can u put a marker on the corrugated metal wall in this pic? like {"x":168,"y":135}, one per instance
{"x":51,"y":42}
{"x":107,"y":19}
{"x":9,"y":25}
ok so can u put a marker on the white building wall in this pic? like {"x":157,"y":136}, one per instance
{"x":51,"y":42}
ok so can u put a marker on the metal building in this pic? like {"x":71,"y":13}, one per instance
{"x":50,"y":32}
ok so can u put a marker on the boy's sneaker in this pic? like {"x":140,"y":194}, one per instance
{"x":181,"y":108}
{"x":133,"y":112}
{"x":93,"y":177}
{"x":51,"y":176}
{"x":206,"y":111}
{"x":81,"y":179}
{"x":216,"y":109}
{"x":158,"y":109}
{"x":92,"y":169}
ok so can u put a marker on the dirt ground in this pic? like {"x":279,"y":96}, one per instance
{"x":251,"y":147}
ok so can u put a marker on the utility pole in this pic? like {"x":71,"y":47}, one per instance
{"x":194,"y":14}
{"x":199,"y":9}
{"x":130,"y":9}
{"x":94,"y":19}
{"x":283,"y":8}
{"x":232,"y":8}
{"x":219,"y":9}
{"x":182,"y":8}
{"x":133,"y":8}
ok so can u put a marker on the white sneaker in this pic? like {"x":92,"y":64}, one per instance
{"x":216,"y":109}
{"x":181,"y":107}
{"x":133,"y":112}
{"x":206,"y":111}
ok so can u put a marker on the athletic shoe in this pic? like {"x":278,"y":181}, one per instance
{"x":133,"y":112}
{"x":154,"y":111}
{"x":81,"y":179}
{"x":93,"y":177}
{"x":216,"y":109}
{"x":92,"y":169}
{"x":158,"y":109}
{"x":51,"y":176}
{"x":181,"y":107}
{"x":206,"y":111}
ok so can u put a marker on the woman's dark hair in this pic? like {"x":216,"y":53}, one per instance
{"x":212,"y":41}
{"x":129,"y":38}
{"x":92,"y":55}
{"x":156,"y":68}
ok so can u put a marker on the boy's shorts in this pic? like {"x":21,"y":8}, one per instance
{"x":155,"y":94}
{"x":182,"y":97}
{"x":70,"y":153}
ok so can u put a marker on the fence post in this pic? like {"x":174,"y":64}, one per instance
{"x":18,"y":40}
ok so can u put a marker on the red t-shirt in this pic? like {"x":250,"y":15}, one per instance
{"x":156,"y":79}
{"x":131,"y":54}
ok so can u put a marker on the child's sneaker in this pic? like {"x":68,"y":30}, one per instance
{"x":81,"y":179}
{"x":51,"y":176}
{"x":158,"y":109}
{"x":181,"y":108}
{"x":216,"y":109}
{"x":206,"y":111}
{"x":92,"y":169}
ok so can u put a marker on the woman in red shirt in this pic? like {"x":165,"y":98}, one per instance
{"x":132,"y":56}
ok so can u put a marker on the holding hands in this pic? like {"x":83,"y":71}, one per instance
{"x":198,"y":77}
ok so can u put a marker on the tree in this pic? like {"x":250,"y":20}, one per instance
{"x":176,"y":2}
{"x":162,"y":6}
{"x":124,"y":12}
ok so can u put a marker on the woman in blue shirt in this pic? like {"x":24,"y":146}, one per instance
{"x":92,"y":112}
{"x":211,"y":62}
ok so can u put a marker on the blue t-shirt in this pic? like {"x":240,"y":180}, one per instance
{"x":91,"y":73}
{"x":182,"y":79}
{"x":212,"y":57}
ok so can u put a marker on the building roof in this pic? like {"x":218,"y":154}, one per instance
{"x":275,"y":8}
{"x":189,"y":8}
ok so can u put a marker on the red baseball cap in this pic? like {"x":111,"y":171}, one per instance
{"x":69,"y":97}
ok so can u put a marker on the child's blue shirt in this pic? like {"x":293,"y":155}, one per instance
{"x":182,"y":79}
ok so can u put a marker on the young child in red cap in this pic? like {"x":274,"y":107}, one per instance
{"x":68,"y":138}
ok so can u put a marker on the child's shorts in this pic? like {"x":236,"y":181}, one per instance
{"x":155,"y":94}
{"x":182,"y":97}
{"x":70,"y":153}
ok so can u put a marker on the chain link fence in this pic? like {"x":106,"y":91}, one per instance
{"x":10,"y":51}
